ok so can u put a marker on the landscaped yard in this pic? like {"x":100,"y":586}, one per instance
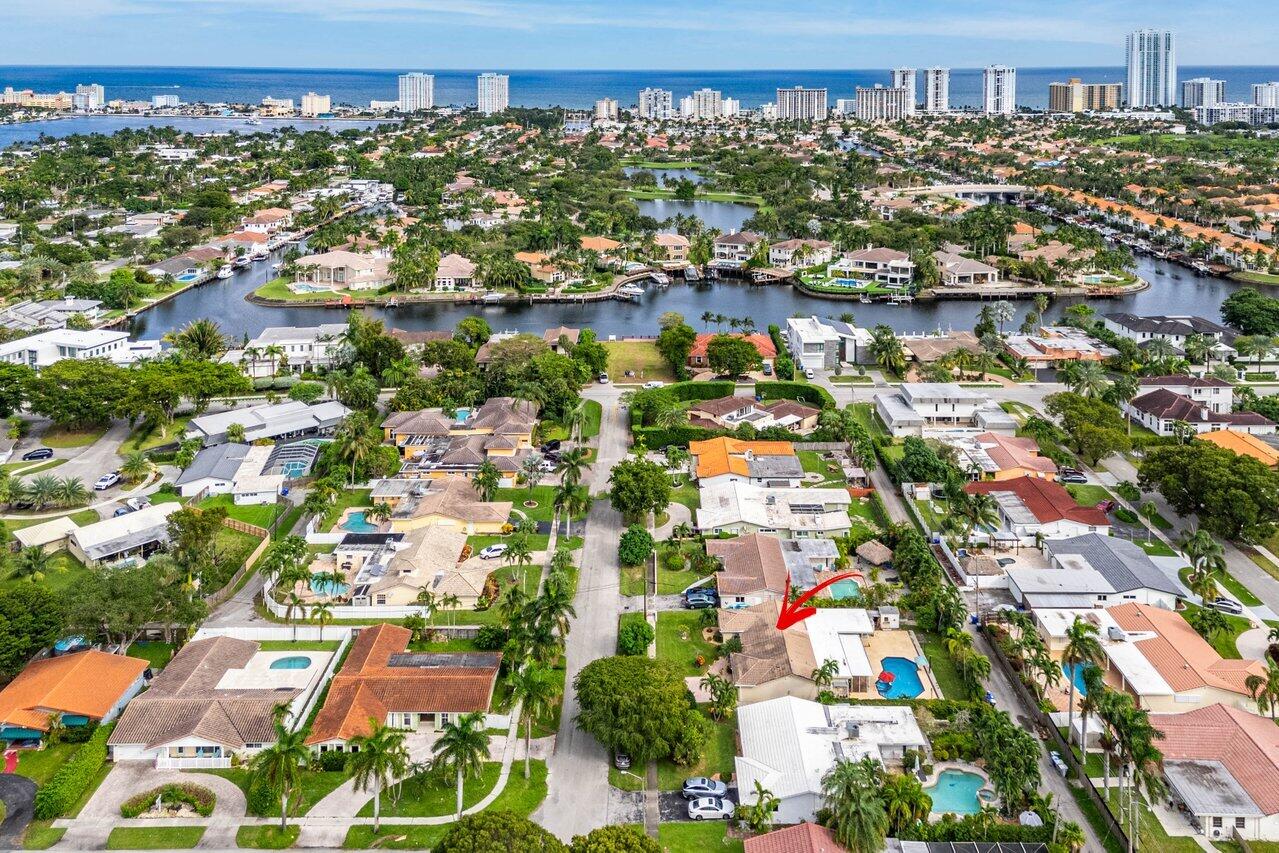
{"x":1236,"y":589}
{"x":1089,"y":494}
{"x":347,"y":498}
{"x":315,"y":785}
{"x":279,"y":289}
{"x":267,"y":837}
{"x":393,"y":837}
{"x":41,"y":836}
{"x":590,"y":429}
{"x":1151,"y":834}
{"x":298,"y":646}
{"x":39,"y":765}
{"x":697,"y":838}
{"x":640,"y":358}
{"x":156,"y":653}
{"x":147,"y":436}
{"x":63,"y":571}
{"x":944,"y":670}
{"x":60,"y":437}
{"x":717,"y":758}
{"x":81,"y":518}
{"x":436,"y":794}
{"x":154,"y":837}
{"x":688,"y":495}
{"x":30,"y":467}
{"x":260,"y":514}
{"x":544,"y":496}
{"x":932,"y":512}
{"x":679,"y":640}
{"x":1225,"y":642}
{"x":864,"y":414}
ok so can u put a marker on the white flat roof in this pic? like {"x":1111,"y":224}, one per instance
{"x":836,"y":634}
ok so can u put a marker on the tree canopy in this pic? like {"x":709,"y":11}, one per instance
{"x":641,"y":707}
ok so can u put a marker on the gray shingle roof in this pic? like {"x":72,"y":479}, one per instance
{"x":220,"y":462}
{"x":1124,"y":565}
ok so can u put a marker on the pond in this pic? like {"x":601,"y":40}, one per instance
{"x":668,"y":177}
{"x":727,"y":216}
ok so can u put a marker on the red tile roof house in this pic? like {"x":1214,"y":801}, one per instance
{"x":1030,"y":507}
{"x":800,"y":838}
{"x":382,"y":682}
{"x":1223,"y":764}
{"x":763,"y":345}
{"x":1201,"y":403}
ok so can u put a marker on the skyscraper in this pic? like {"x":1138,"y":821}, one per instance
{"x":655,"y":103}
{"x":494,"y":93}
{"x":936,"y":90}
{"x":999,"y":88}
{"x":702,"y":104}
{"x":904,"y":78}
{"x":1075,"y":96}
{"x":606,"y":109}
{"x":1202,"y":92}
{"x":90,"y":96}
{"x":801,"y":104}
{"x":880,"y":104}
{"x":315,"y":105}
{"x":1152,"y":69}
{"x":1264,"y":94}
{"x":417,"y":92}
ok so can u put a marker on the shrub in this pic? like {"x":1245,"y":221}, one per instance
{"x":635,"y":546}
{"x":779,"y":390}
{"x":1128,"y":492}
{"x":333,"y":760}
{"x":306,"y":392}
{"x":261,"y":800}
{"x":491,"y":638}
{"x":498,"y":832}
{"x":1126,"y":515}
{"x":634,"y":637}
{"x":198,"y":798}
{"x":68,"y":784}
{"x":78,"y":734}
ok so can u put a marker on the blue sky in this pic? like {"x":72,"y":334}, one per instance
{"x":623,"y":34}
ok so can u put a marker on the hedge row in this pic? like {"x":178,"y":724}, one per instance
{"x":814,"y":394}
{"x":658,"y":438}
{"x":198,"y":798}
{"x":57,"y":796}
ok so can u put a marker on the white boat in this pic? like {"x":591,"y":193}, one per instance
{"x":493,"y":297}
{"x":259,"y":255}
{"x":277,"y":266}
{"x":631,"y":290}
{"x":254,"y":121}
{"x":226,"y":271}
{"x":241,"y":262}
{"x":661,"y":279}
{"x":691,"y":274}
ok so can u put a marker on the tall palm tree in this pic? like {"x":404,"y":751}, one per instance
{"x":355,"y":441}
{"x":1083,"y":648}
{"x":1088,"y":379}
{"x":135,"y":467}
{"x":905,"y":802}
{"x":486,"y":480}
{"x":1264,"y":689}
{"x":575,"y":419}
{"x":378,"y":759}
{"x":571,"y":501}
{"x":322,"y":612}
{"x":279,"y":766}
{"x":857,"y":816}
{"x":824,"y":675}
{"x":199,"y":339}
{"x":463,"y":747}
{"x":571,"y":464}
{"x":536,"y":687}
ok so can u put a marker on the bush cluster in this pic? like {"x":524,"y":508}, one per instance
{"x":333,"y":760}
{"x":198,"y":798}
{"x":56,"y":797}
{"x":812,"y":394}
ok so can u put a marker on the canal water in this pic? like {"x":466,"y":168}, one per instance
{"x":62,"y":127}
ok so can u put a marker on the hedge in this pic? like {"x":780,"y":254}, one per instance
{"x":63,"y":791}
{"x":814,"y":394}
{"x":198,"y":798}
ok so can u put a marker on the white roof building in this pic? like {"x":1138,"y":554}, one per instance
{"x":134,"y":534}
{"x":733,"y":507}
{"x":42,"y":350}
{"x":281,"y":420}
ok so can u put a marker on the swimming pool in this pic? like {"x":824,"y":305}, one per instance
{"x":847,"y":282}
{"x":848,"y":588}
{"x":292,"y":662}
{"x":905,"y":684}
{"x":304,"y":287}
{"x":356,"y":523}
{"x":1075,"y":672}
{"x":956,"y":792}
{"x":328,"y":588}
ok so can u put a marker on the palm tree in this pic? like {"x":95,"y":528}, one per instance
{"x":1122,"y":392}
{"x":294,"y":607}
{"x":355,"y":441}
{"x":1089,"y":379}
{"x":723,"y":694}
{"x":376,"y":760}
{"x":135,"y":467}
{"x":536,"y":687}
{"x":71,"y":492}
{"x":31,"y":563}
{"x":905,"y":802}
{"x":279,"y":766}
{"x":575,"y":419}
{"x":462,"y":747}
{"x":199,"y":339}
{"x":570,"y":466}
{"x":322,"y":612}
{"x":857,"y":817}
{"x":824,"y":675}
{"x":1083,"y":648}
{"x":450,"y":602}
{"x":1264,"y":689}
{"x":887,"y":350}
{"x":486,"y":481}
{"x":571,"y":501}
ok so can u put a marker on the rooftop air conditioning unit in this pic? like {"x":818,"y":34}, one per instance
{"x":1116,"y":633}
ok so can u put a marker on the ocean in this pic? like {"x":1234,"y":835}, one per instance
{"x":572,"y":89}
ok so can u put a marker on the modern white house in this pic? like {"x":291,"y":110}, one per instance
{"x":925,"y":408}
{"x":734,"y":250}
{"x":43,"y":349}
{"x":789,"y":744}
{"x":888,"y":267}
{"x":1093,"y":570}
{"x":297,"y":349}
{"x":799,"y":253}
{"x":1173,"y":328}
{"x":823,"y":344}
{"x":958,"y":271}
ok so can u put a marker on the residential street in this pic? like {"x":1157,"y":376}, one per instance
{"x":578,"y":791}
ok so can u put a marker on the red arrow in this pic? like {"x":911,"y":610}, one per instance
{"x":794,"y":612}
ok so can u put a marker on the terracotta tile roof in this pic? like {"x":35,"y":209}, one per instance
{"x":87,"y":683}
{"x":1243,"y":443}
{"x":763,"y":344}
{"x":724,"y":455}
{"x":1047,"y":500}
{"x":1009,"y":452}
{"x":800,"y":838}
{"x":1245,"y":743}
{"x":752,"y":564}
{"x":1182,"y":658}
{"x":599,"y":244}
{"x":378,"y":678}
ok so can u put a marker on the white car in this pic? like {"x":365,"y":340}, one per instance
{"x":603,"y":377}
{"x":710,"y":808}
{"x":653,"y":384}
{"x":492,"y":552}
{"x":808,"y":373}
{"x":106,"y":481}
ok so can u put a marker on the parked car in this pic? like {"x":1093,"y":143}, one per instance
{"x":140,"y":502}
{"x":1107,"y":505}
{"x":701,"y":786}
{"x":808,"y":373}
{"x":38,"y":453}
{"x":26,"y":743}
{"x":653,"y":383}
{"x":1071,"y":471}
{"x":603,"y":377}
{"x":492,"y":552}
{"x":768,"y":369}
{"x":622,"y":761}
{"x":699,"y":602}
{"x":122,"y":510}
{"x":553,"y":444}
{"x":1072,"y":478}
{"x":106,"y":481}
{"x":546,"y":465}
{"x":710,"y":808}
{"x":1228,"y":605}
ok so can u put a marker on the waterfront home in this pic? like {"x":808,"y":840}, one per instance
{"x":561,"y":338}
{"x":755,"y":568}
{"x":799,"y":253}
{"x":241,"y":241}
{"x":817,"y":344}
{"x":382,"y":683}
{"x":275,"y":421}
{"x":733,"y":251}
{"x":1173,"y":328}
{"x":925,"y":408}
{"x":541,"y":267}
{"x":180,"y":267}
{"x":136,"y":535}
{"x":297,"y":349}
{"x":790,"y":744}
{"x":455,"y":273}
{"x":268,"y":221}
{"x":69,"y":691}
{"x":1032,"y":509}
{"x":1244,"y":444}
{"x":216,"y":699}
{"x":49,"y":313}
{"x":1056,"y":344}
{"x":958,"y":271}
{"x":672,"y":248}
{"x":446,"y":502}
{"x":994,"y":456}
{"x":888,"y":267}
{"x":698,"y":359}
{"x":759,"y":463}
{"x":339,"y":270}
{"x":601,"y":246}
{"x":1093,"y":570}
{"x":45,"y":348}
{"x":738,"y":508}
{"x":934,"y":346}
{"x":1163,"y":409}
{"x":1220,"y":763}
{"x":731,"y":412}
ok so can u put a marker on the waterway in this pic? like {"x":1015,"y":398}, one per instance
{"x":62,"y":127}
{"x":667,"y":177}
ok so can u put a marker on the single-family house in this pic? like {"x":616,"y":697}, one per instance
{"x":698,"y":358}
{"x":926,"y":408}
{"x":339,"y":270}
{"x":45,"y":348}
{"x":69,"y":690}
{"x":1032,"y":509}
{"x":1244,"y":444}
{"x":297,"y":349}
{"x":134,"y":535}
{"x":761,"y":463}
{"x":1163,"y":410}
{"x":1093,"y":571}
{"x":888,"y":267}
{"x":276,"y":421}
{"x":447,"y":502}
{"x":757,"y":567}
{"x":799,"y":253}
{"x":958,"y":271}
{"x":455,"y":272}
{"x":672,"y":248}
{"x":995,"y":456}
{"x":1174,"y":329}
{"x":268,"y":221}
{"x":739,"y":508}
{"x":731,"y":412}
{"x":732,"y":251}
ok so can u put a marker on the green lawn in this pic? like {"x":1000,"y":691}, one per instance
{"x":1227,"y":580}
{"x":702,"y":837}
{"x":1156,"y":548}
{"x":679,"y":640}
{"x":688,"y":495}
{"x":437,"y":795}
{"x":1093,"y":814}
{"x":717,"y":759}
{"x":154,"y":837}
{"x":148,"y":436}
{"x":394,"y":837}
{"x":1088,"y":495}
{"x":590,"y":429}
{"x":156,"y":653}
{"x":39,"y":765}
{"x":315,"y":785}
{"x":944,"y":670}
{"x":60,"y":437}
{"x":38,"y":466}
{"x":41,"y":836}
{"x":347,"y":498}
{"x":287,"y":523}
{"x":81,"y":518}
{"x":1225,"y":641}
{"x":268,"y":837}
{"x":299,"y":646}
{"x":851,"y":379}
{"x":279,"y":289}
{"x":932,"y":517}
{"x":626,"y":780}
{"x":864,"y":413}
{"x":260,"y":514}
{"x":543,"y":495}
{"x":631,"y":580}
{"x":62,"y":572}
{"x":1150,"y":832}
{"x":813,"y":463}
{"x":641,"y":358}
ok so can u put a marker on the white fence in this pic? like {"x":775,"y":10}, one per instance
{"x":276,"y":632}
{"x":220,"y":762}
{"x":342,"y":611}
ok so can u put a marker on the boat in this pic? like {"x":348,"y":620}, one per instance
{"x":631,"y":290}
{"x":225,"y":271}
{"x":661,"y":279}
{"x":259,"y":255}
{"x":691,"y":274}
{"x":277,"y":266}
{"x":492,"y":297}
{"x":254,"y":121}
{"x":241,"y":262}
{"x":865,"y":299}
{"x":1160,"y":272}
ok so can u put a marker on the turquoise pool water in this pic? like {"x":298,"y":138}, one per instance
{"x":956,"y":792}
{"x":328,"y":588}
{"x":845,"y":589}
{"x":906,"y":683}
{"x":1075,"y":672}
{"x":356,"y":523}
{"x":293,"y":662}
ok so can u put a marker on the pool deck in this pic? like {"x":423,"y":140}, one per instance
{"x":895,"y":644}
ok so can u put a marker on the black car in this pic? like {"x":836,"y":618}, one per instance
{"x":38,"y":453}
{"x":553,"y":444}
